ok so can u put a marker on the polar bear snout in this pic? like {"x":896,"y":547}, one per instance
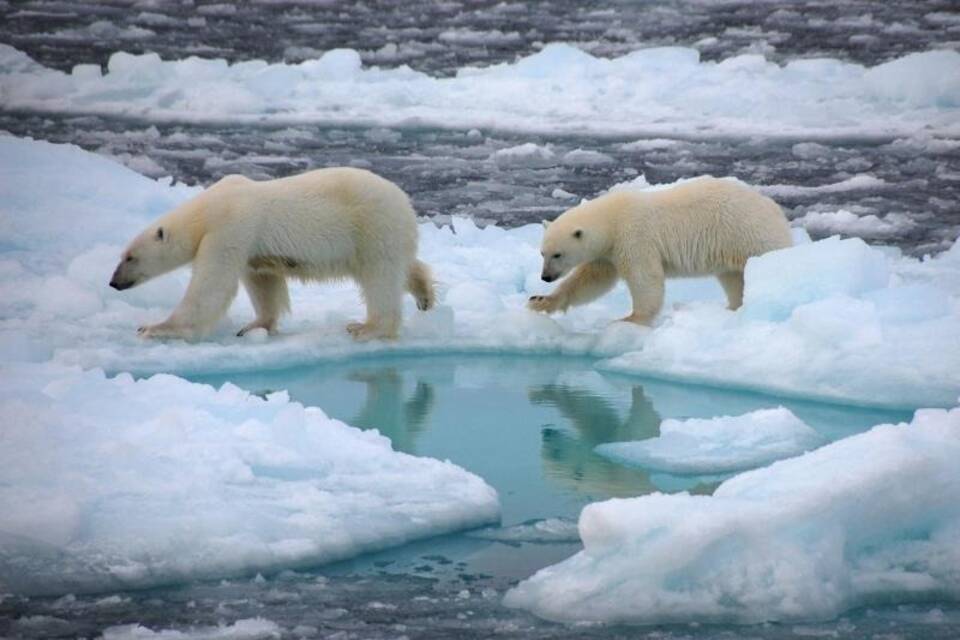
{"x":119,"y":280}
{"x":554,"y":268}
{"x":120,"y":285}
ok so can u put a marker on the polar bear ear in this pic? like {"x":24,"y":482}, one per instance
{"x":160,"y":235}
{"x":578,"y":234}
{"x":546,"y":223}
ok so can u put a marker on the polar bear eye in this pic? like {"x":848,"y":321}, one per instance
{"x":557,"y":256}
{"x":129,"y":259}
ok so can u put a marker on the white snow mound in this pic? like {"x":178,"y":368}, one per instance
{"x":113,"y":483}
{"x":870,"y":518}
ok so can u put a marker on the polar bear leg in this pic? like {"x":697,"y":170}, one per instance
{"x":270,"y":298}
{"x":213,"y":286}
{"x":420,"y":285}
{"x":588,"y":282}
{"x":383,"y":294}
{"x":646,"y":288}
{"x":732,"y":283}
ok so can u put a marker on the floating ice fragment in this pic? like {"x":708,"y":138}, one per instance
{"x":846,"y":222}
{"x":718,"y":445}
{"x":525,"y":155}
{"x":536,"y":531}
{"x":246,"y":629}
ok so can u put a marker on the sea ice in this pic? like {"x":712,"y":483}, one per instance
{"x":526,"y":155}
{"x":834,"y":319}
{"x":246,"y":629}
{"x":718,"y":445}
{"x":549,"y":530}
{"x":655,"y":92}
{"x":856,"y":183}
{"x":867,"y":519}
{"x":846,"y":222}
{"x":110,"y":483}
{"x":779,"y":281}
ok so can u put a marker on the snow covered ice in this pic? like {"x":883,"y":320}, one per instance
{"x":834,"y":320}
{"x":109,"y":483}
{"x":637,"y":93}
{"x":867,"y":519}
{"x":718,"y":445}
{"x":852,"y":323}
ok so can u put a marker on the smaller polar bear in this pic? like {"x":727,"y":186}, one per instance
{"x":701,"y":227}
{"x":319,"y":225}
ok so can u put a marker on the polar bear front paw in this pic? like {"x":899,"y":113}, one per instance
{"x":543,"y":304}
{"x":637,"y":318}
{"x":363,"y":331}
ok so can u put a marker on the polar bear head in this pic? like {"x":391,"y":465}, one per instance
{"x":152,"y":253}
{"x":579,"y":235}
{"x":562,"y":250}
{"x":166,"y":244}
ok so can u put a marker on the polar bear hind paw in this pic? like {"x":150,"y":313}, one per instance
{"x":161,"y":331}
{"x":271,"y":328}
{"x":363,"y":331}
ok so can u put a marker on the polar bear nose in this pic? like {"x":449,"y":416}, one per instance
{"x":547,"y":278}
{"x":120,"y":286}
{"x":118,"y":283}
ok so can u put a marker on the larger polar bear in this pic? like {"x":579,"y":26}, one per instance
{"x":700,"y":227}
{"x":319,"y":225}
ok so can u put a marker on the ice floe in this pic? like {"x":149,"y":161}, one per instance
{"x":246,"y":629}
{"x":868,"y":519}
{"x":665,"y":91}
{"x":834,"y":319}
{"x":848,"y":223}
{"x":113,"y":483}
{"x":718,"y":445}
{"x":549,"y":530}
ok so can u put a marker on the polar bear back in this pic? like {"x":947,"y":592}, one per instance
{"x":325,"y":223}
{"x":706,"y":225}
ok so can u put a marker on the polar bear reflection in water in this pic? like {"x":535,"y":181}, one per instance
{"x":527,"y":425}
{"x":568,"y":454}
{"x":389,"y":409}
{"x":515,"y":421}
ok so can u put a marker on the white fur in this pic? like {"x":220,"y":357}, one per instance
{"x":701,"y":227}
{"x":324,"y":224}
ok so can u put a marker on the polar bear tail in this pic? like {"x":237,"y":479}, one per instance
{"x":420,"y":284}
